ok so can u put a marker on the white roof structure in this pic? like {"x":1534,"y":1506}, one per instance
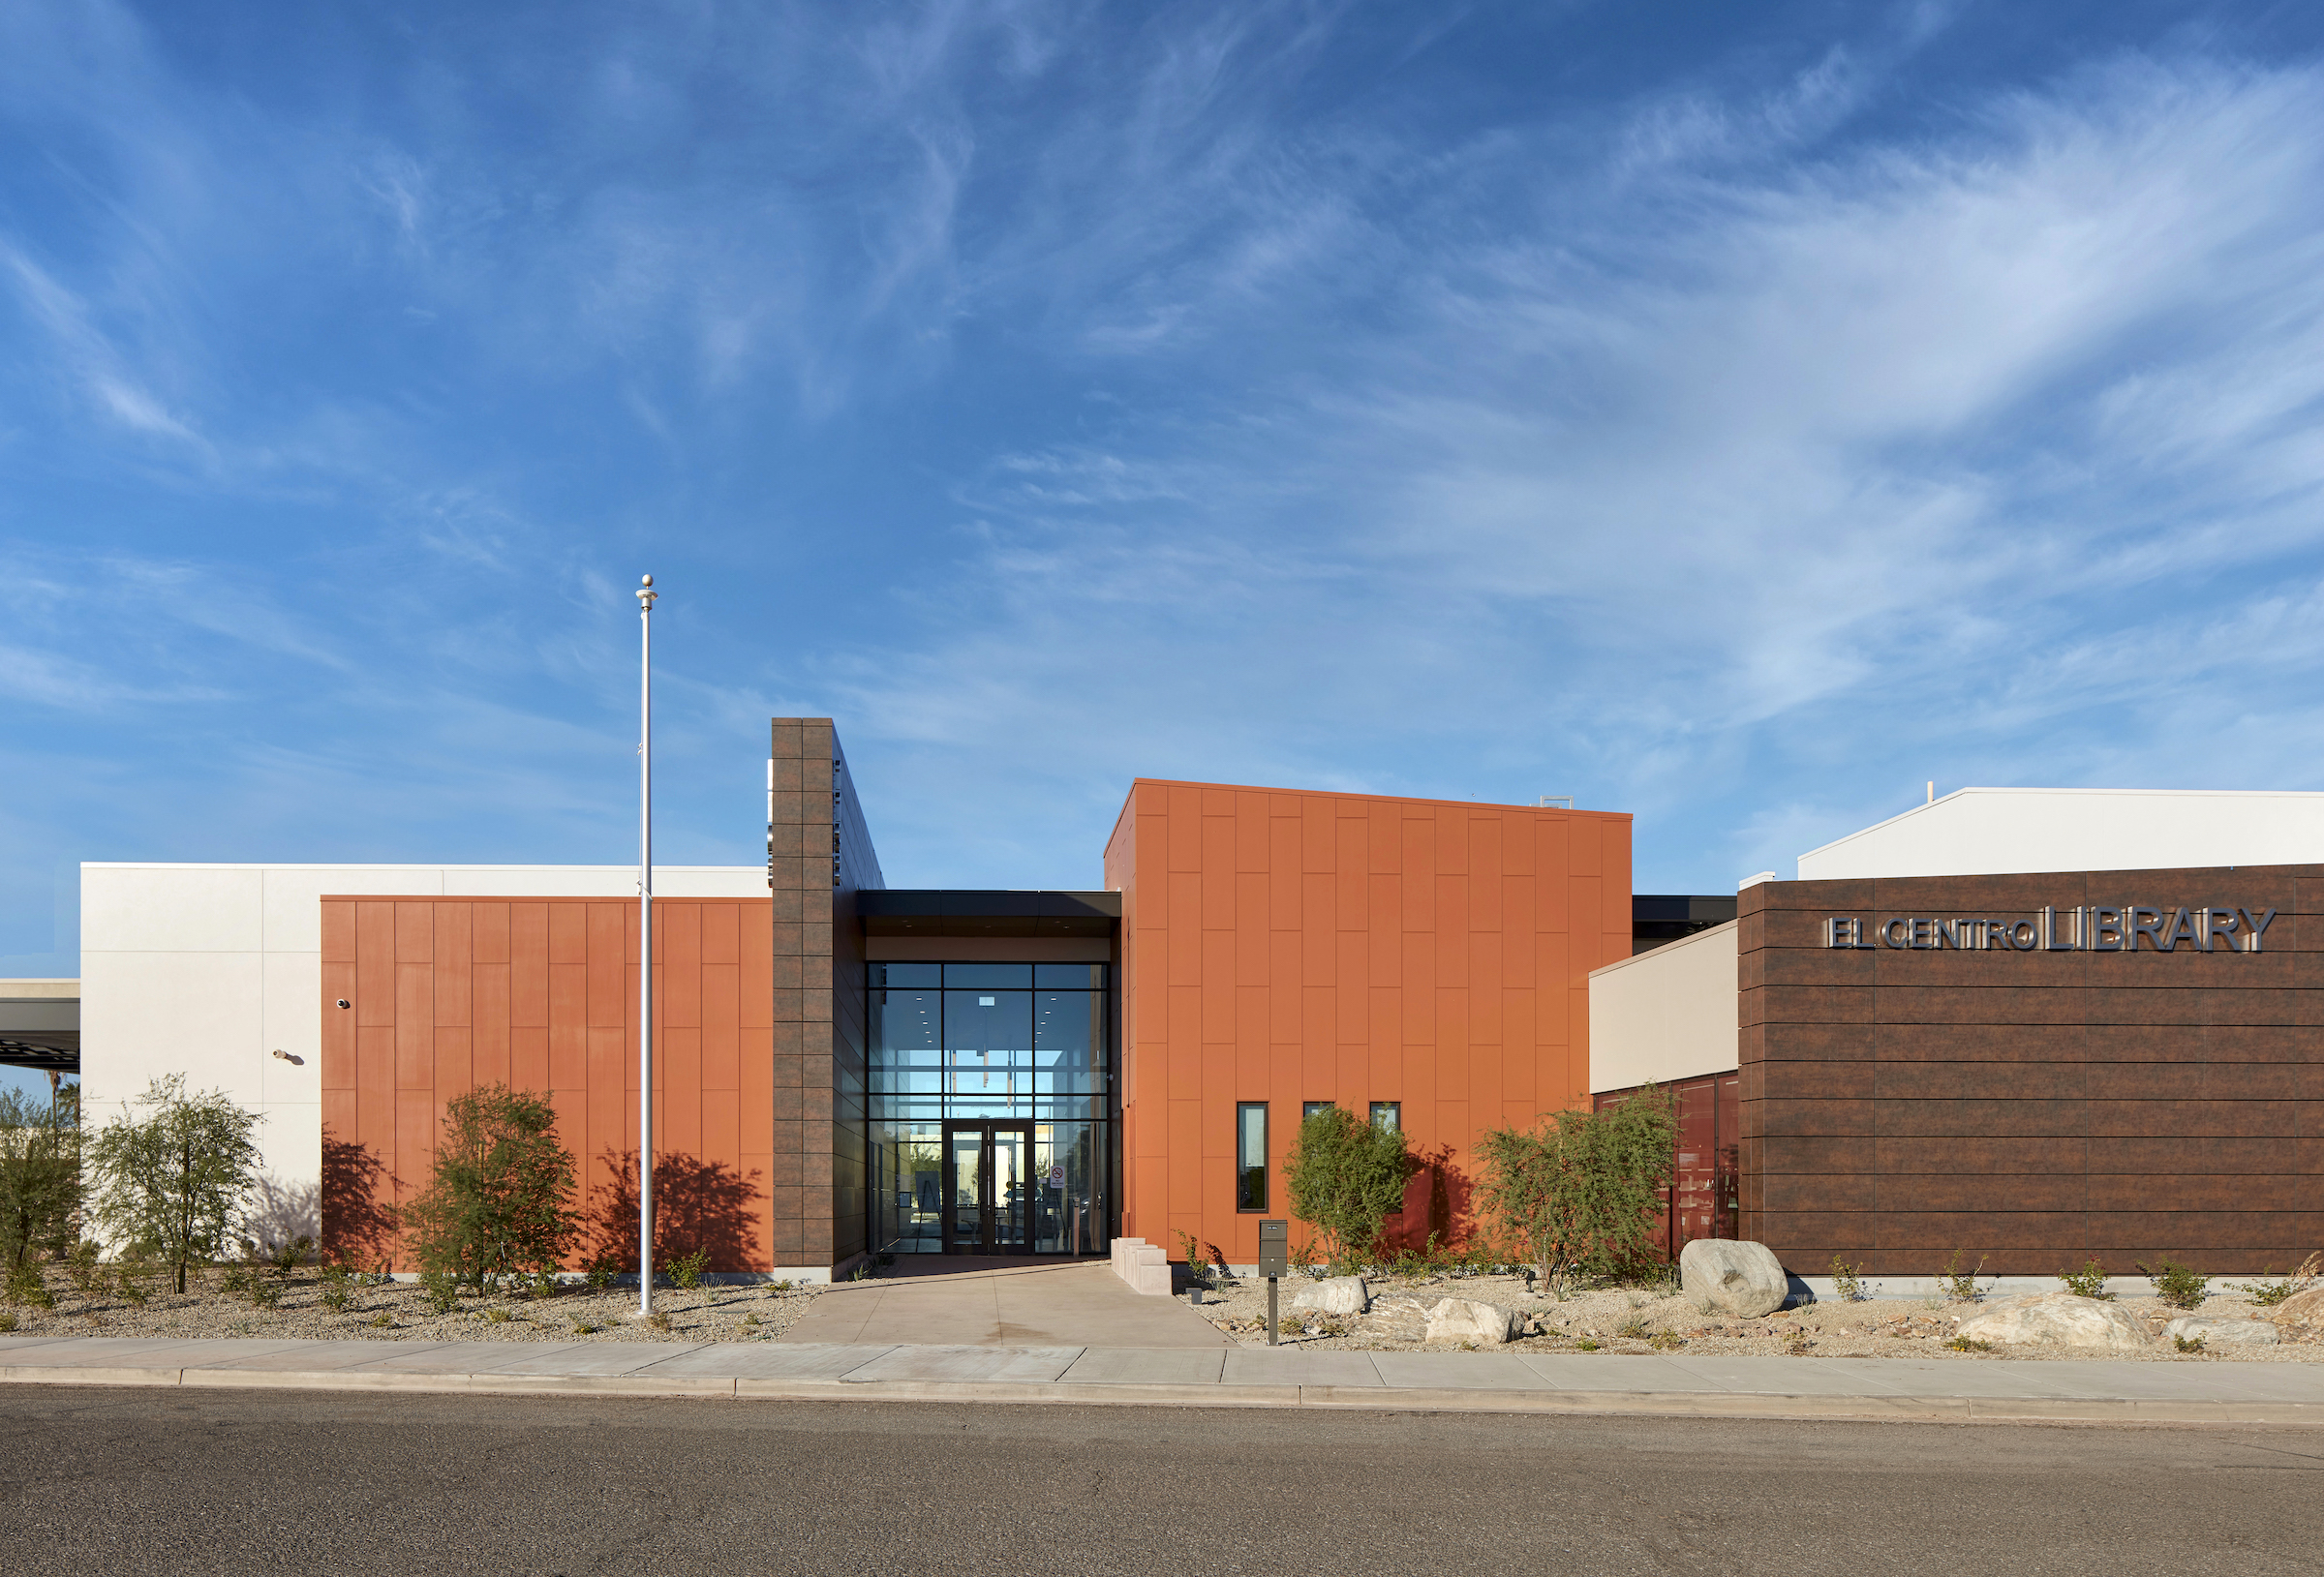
{"x":1992,"y":832}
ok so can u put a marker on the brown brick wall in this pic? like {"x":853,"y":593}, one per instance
{"x":2035,"y":1108}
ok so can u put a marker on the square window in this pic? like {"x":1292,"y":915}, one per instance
{"x":1388,"y":1114}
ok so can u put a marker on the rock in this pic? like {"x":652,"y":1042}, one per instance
{"x":1721,"y":1276}
{"x":2223,"y":1332}
{"x":2299,"y":1317}
{"x":2061,"y":1317}
{"x":1341,"y":1295}
{"x":1464,"y":1320}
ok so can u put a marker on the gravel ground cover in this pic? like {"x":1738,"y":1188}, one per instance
{"x":1640,"y":1321}
{"x":401,"y":1312}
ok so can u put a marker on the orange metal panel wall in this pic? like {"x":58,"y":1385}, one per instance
{"x":1292,"y":947}
{"x":541,"y":995}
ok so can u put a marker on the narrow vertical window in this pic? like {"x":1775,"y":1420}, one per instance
{"x":1250,"y":1156}
{"x":1388,"y":1114}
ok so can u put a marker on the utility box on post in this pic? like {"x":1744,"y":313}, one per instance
{"x":1274,"y":1249}
{"x":1274,"y":1260}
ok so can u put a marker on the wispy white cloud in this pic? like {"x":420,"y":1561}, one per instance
{"x":1060,"y":392}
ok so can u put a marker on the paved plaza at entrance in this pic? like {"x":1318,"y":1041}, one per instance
{"x":959,"y":1301}
{"x":1901,"y":1389}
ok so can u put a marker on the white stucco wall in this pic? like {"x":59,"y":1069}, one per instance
{"x":208,"y":969}
{"x":1665,"y":1015}
{"x":1986,"y":831}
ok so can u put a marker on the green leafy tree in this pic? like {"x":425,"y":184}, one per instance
{"x":499,"y":1200}
{"x":1579,"y":1192}
{"x":39,"y":1173}
{"x":1345,"y":1176}
{"x":174,"y":1180}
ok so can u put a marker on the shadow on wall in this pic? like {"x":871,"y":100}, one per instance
{"x":279,"y":1213}
{"x":699,"y":1207}
{"x":358,"y":1223}
{"x":1437,"y":1203}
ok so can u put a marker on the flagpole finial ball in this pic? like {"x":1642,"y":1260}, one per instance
{"x":647,"y":581}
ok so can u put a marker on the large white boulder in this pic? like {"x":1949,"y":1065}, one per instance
{"x":2300,"y":1317}
{"x":2223,"y":1332}
{"x":1341,"y":1295}
{"x":1721,"y":1276}
{"x":2058,"y":1318}
{"x":1464,"y":1320}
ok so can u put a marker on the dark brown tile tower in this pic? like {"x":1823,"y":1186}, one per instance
{"x":818,"y":854}
{"x":2032,"y":1107}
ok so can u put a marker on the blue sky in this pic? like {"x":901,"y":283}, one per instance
{"x":1736,"y":415}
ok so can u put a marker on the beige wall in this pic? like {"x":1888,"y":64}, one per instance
{"x":1665,"y":1015}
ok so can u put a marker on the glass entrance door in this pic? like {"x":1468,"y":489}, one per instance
{"x":989,"y":1184}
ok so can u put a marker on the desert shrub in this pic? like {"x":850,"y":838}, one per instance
{"x":174,"y":1179}
{"x":686,"y":1271}
{"x":2177,"y":1284}
{"x":600,"y":1274}
{"x":133,"y":1276}
{"x":82,"y":1267}
{"x":1579,"y":1194}
{"x":1847,"y":1280}
{"x":1344,"y":1176}
{"x":1198,"y":1262}
{"x":2267,"y":1293}
{"x":1969,"y":1344}
{"x":287,"y":1257}
{"x":264,"y":1294}
{"x":39,"y":1173}
{"x":442,"y":1290}
{"x":1961,"y":1286}
{"x":659,"y":1319}
{"x":337,"y":1288}
{"x":2188,"y":1344}
{"x":26,"y":1286}
{"x":383,"y":1321}
{"x":2090,"y":1282}
{"x":499,"y":1199}
{"x":497,"y":1317}
{"x":1665,"y":1340}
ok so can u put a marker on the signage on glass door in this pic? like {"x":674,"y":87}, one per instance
{"x":2096,"y":928}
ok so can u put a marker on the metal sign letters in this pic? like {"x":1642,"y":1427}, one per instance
{"x":2093,"y":929}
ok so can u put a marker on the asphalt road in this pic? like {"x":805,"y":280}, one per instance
{"x":98,"y":1481}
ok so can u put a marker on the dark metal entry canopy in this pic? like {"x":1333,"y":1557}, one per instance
{"x":41,"y":1032}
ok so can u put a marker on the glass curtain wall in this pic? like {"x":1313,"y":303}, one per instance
{"x":973,"y":1065}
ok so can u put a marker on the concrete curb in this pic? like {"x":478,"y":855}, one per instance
{"x":1338,"y":1398}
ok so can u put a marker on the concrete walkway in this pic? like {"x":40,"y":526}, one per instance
{"x":2097,"y":1391}
{"x":961,"y":1301}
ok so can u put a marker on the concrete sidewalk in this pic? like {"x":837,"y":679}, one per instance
{"x":2095,"y":1392}
{"x":997,"y":1302}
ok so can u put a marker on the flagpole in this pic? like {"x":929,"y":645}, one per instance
{"x":644,"y":952}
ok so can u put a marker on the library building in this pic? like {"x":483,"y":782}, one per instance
{"x":2037,"y":1025}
